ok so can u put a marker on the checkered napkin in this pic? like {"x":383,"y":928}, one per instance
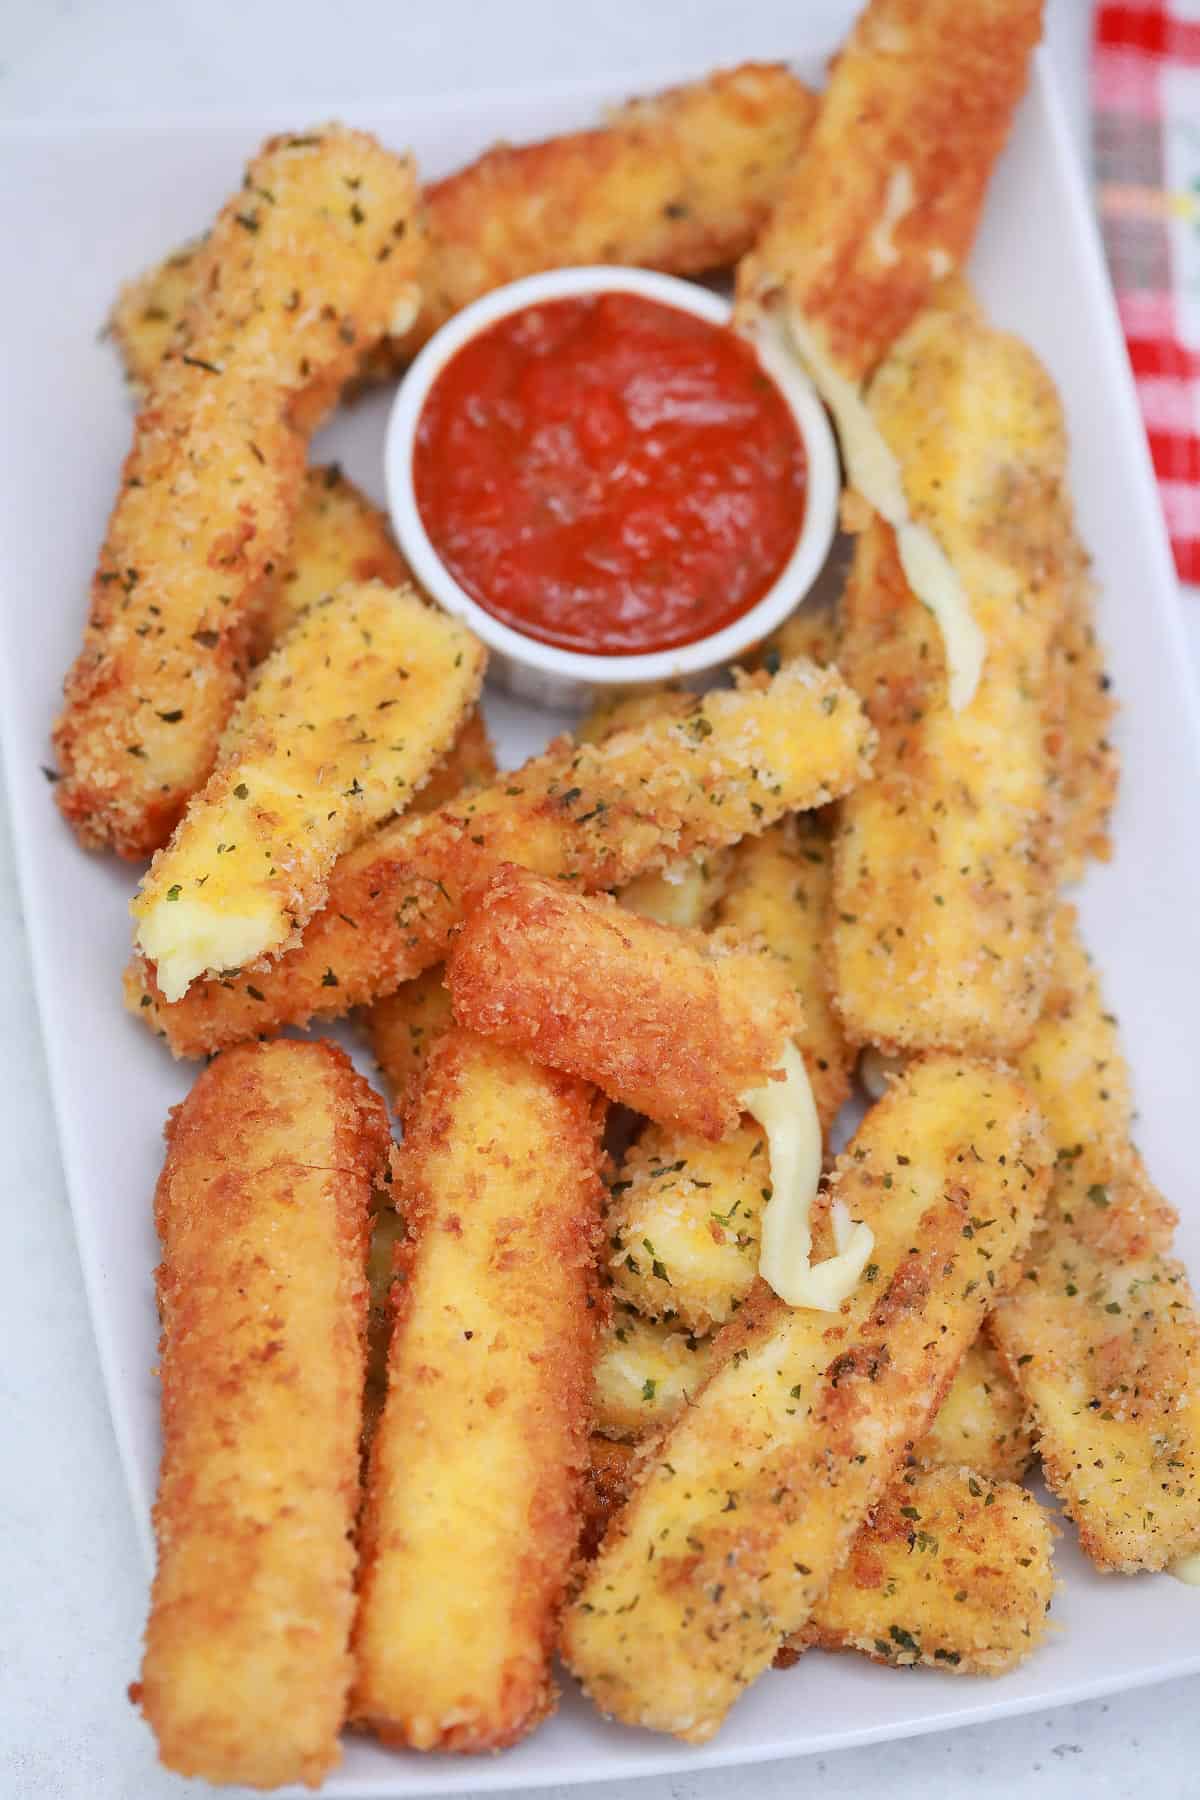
{"x":1146,"y":126}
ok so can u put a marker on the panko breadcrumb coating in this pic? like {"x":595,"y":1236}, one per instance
{"x":945,"y":864}
{"x":262,"y":1211}
{"x":681,"y":181}
{"x":593,"y":815}
{"x":747,"y":1506}
{"x":474,"y":1499}
{"x":341,"y":724}
{"x":1103,"y":1336}
{"x":301,"y":273}
{"x":675,"y":1024}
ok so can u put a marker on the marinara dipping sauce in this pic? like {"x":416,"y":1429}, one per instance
{"x":610,"y":474}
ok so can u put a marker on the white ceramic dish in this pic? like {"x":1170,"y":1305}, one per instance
{"x":87,"y":205}
{"x":543,"y":673}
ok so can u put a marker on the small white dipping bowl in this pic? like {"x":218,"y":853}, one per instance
{"x":542,"y":672}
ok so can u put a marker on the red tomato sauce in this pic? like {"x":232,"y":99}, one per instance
{"x":609,"y":474}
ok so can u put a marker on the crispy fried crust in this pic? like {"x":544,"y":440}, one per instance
{"x":337,"y":536}
{"x":886,"y":197}
{"x":681,"y":181}
{"x":751,"y":1500}
{"x":301,"y":272}
{"x":595,"y":815}
{"x":953,"y":1572}
{"x":672,"y":1023}
{"x":341,"y":724}
{"x":946,"y":861}
{"x":1103,"y":1336}
{"x":473,"y":1495}
{"x":262,"y":1211}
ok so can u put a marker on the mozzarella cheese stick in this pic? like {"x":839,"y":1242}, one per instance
{"x":595,"y":815}
{"x":681,"y":181}
{"x":337,"y":536}
{"x":301,"y":273}
{"x":747,"y":1507}
{"x":674,"y":1024}
{"x":1103,"y":1336}
{"x":262,"y":1211}
{"x":953,"y":1571}
{"x":943,"y":877}
{"x":885,"y":197}
{"x":473,"y":1493}
{"x":343,"y":722}
{"x":882,"y":205}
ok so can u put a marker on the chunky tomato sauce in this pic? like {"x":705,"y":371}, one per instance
{"x":610,"y":474}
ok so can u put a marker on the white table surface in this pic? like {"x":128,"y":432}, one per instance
{"x":71,"y":1579}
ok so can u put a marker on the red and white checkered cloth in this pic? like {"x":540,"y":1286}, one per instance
{"x":1146,"y":126}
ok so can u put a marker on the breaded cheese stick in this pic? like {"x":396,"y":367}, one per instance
{"x":403,"y":1029}
{"x":262,"y":1210}
{"x":750,"y":1501}
{"x":1103,"y":1337}
{"x":886,"y":194}
{"x":473,"y":1494}
{"x":592,"y":814}
{"x":945,"y":864}
{"x":675,"y":1024}
{"x":883,"y":204}
{"x":646,"y":1371}
{"x":342,"y":723}
{"x":337,"y":536}
{"x":681,"y":181}
{"x":952,"y":1572}
{"x":302,"y":272}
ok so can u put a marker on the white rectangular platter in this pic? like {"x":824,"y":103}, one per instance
{"x":88,"y":206}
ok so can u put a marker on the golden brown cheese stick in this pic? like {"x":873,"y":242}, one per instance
{"x":337,"y":536}
{"x":1103,"y":1337}
{"x":952,"y":1571}
{"x":594,"y":815}
{"x":886,"y":195}
{"x":646,"y":1371}
{"x":342,"y":723}
{"x":751,"y":1500}
{"x":681,"y":181}
{"x":675,"y":1024}
{"x":262,"y":1211}
{"x":984,"y":1423}
{"x":301,"y":273}
{"x":945,"y":862}
{"x":403,"y":1029}
{"x":473,"y":1494}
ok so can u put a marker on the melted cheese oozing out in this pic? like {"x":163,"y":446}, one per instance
{"x":873,"y":469}
{"x":787,"y":1114}
{"x":185,"y":937}
{"x":1187,"y":1569}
